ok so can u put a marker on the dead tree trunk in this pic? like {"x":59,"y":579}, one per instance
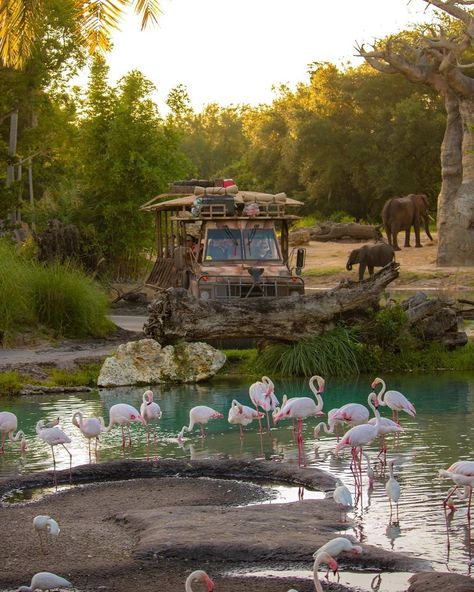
{"x":331,"y":231}
{"x":175,"y":315}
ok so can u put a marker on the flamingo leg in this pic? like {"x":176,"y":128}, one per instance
{"x":2,"y":447}
{"x":469,"y":509}
{"x":129,"y":435}
{"x":268,"y":422}
{"x":55,"y":480}
{"x":89,"y":443}
{"x":41,"y":541}
{"x":70,"y":463}
{"x":259,"y":420}
{"x":123,"y":437}
{"x":241,"y":432}
{"x":96,"y":449}
{"x":445,"y":502}
{"x":203,"y":435}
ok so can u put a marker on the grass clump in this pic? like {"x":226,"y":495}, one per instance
{"x":59,"y":297}
{"x":85,"y":376}
{"x":334,"y":353}
{"x":10,"y":383}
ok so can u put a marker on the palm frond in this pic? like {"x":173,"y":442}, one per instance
{"x":19,"y":24}
{"x":149,"y":10}
{"x":97,"y":19}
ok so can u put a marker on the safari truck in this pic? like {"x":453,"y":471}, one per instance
{"x":222,"y":243}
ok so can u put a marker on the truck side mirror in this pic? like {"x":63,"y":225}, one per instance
{"x":300,"y":260}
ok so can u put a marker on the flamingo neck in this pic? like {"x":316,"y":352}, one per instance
{"x":190,"y":579}
{"x":390,"y":469}
{"x":317,"y":562}
{"x":381,"y":392}
{"x":322,"y":425}
{"x":316,"y":392}
{"x":17,"y":436}
{"x":375,"y":410}
{"x":188,"y":428}
{"x":77,"y":422}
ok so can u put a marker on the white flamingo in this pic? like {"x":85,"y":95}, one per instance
{"x":300,"y":408}
{"x":262,"y":395}
{"x":358,"y":437}
{"x":8,"y":425}
{"x":242,"y":415}
{"x":47,"y":526}
{"x":370,"y":471}
{"x":123,"y":414}
{"x":342,"y":496}
{"x":150,"y":411}
{"x":352,"y":414}
{"x":462,"y":474}
{"x":334,"y":547}
{"x":319,"y":558}
{"x":386,"y":426}
{"x":393,"y":399}
{"x":198,"y":576}
{"x":199,"y":415}
{"x":392,"y":487}
{"x":55,"y":437}
{"x":90,"y":428}
{"x":44,"y":580}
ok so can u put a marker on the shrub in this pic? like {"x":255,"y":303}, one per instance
{"x":85,"y":376}
{"x":10,"y":383}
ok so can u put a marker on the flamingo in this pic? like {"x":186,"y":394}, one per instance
{"x":8,"y":425}
{"x":393,"y":399}
{"x":386,"y":426}
{"x":351,"y":413}
{"x":198,"y":576}
{"x":47,"y":525}
{"x":242,"y":415}
{"x":199,"y":415}
{"x":342,"y":496}
{"x":123,"y":414}
{"x":462,"y":473}
{"x":54,"y":437}
{"x":370,"y":471}
{"x":262,"y":395}
{"x":360,"y":436}
{"x":44,"y":580}
{"x":302,"y":407}
{"x":150,"y":411}
{"x":392,"y":487}
{"x":319,"y":558}
{"x":334,"y":547}
{"x":90,"y":428}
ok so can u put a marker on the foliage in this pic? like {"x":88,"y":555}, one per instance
{"x":389,"y":329}
{"x":331,"y":354}
{"x":10,"y":383}
{"x":59,"y":297}
{"x":86,"y":375}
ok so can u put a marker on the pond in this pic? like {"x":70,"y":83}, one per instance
{"x":440,"y":434}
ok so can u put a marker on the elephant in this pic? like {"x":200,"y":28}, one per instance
{"x":401,"y":213}
{"x":370,"y":256}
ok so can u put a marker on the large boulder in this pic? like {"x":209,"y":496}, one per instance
{"x":298,"y":237}
{"x":146,"y":362}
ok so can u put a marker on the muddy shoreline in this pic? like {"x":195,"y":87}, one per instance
{"x":147,"y":524}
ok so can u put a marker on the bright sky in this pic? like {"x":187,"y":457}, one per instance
{"x":229,"y":51}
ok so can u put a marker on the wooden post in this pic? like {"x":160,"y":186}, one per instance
{"x":32,"y":197}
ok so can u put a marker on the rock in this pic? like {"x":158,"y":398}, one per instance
{"x":440,"y":582}
{"x":146,"y":362}
{"x":300,"y":236}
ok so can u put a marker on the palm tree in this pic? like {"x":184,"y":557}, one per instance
{"x":20,"y":23}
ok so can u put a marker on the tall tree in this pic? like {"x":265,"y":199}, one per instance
{"x":440,"y":56}
{"x":21,"y":22}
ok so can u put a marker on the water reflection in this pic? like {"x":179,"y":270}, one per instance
{"x":440,"y":434}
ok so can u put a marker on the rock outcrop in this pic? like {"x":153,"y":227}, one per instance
{"x":146,"y":362}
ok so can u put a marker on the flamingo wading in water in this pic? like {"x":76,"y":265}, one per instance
{"x":123,"y":414}
{"x":198,"y":576}
{"x":150,"y":411}
{"x":393,"y":399}
{"x":199,"y":415}
{"x":90,"y":427}
{"x":8,"y":425}
{"x":242,"y":415}
{"x":392,"y":487}
{"x":262,"y":395}
{"x":462,"y":474}
{"x":54,"y":437}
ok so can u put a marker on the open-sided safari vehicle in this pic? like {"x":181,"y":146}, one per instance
{"x":219,"y":243}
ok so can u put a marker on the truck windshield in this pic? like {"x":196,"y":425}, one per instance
{"x":223,"y":244}
{"x":232,"y":244}
{"x":260,"y":243}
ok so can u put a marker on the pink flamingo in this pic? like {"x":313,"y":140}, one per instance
{"x":300,"y":408}
{"x":123,"y":414}
{"x":352,"y":413}
{"x":8,"y":425}
{"x":262,"y":395}
{"x":199,"y":415}
{"x":319,"y":558}
{"x":150,"y":411}
{"x":386,"y":426}
{"x":336,"y":546}
{"x":393,"y":399}
{"x":242,"y":415}
{"x":198,"y":576}
{"x":360,"y":436}
{"x":54,"y":437}
{"x":90,"y":427}
{"x":462,"y":473}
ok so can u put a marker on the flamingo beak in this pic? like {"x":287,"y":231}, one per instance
{"x":320,"y":414}
{"x":210,"y":584}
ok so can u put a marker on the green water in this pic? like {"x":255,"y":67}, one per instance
{"x":440,"y":434}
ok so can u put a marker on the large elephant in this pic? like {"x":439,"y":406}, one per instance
{"x":370,"y":256}
{"x":401,"y":213}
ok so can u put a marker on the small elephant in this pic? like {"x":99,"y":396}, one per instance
{"x":370,"y":256}
{"x":401,"y":213}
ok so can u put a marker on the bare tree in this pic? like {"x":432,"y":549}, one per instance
{"x":439,"y":56}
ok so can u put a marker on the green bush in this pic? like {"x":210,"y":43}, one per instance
{"x":85,"y":376}
{"x":10,"y":383}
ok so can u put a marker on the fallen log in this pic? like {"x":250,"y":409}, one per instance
{"x":175,"y":315}
{"x":332,"y":231}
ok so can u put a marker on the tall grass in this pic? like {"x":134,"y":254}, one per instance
{"x":332,"y":354}
{"x":59,"y":297}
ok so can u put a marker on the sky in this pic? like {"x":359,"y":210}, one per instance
{"x":232,"y":52}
